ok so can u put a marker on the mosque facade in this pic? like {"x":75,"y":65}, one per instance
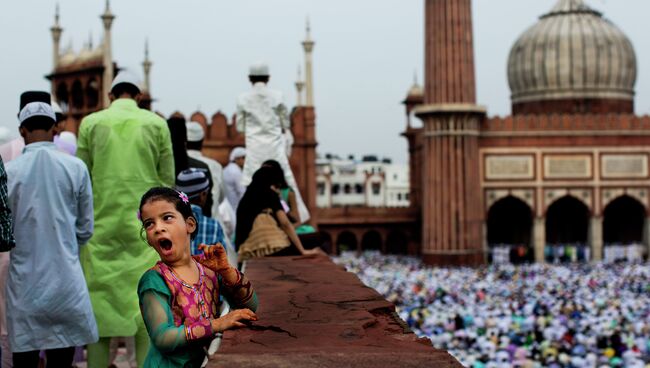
{"x":567,"y":173}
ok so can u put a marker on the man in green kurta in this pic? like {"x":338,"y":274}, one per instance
{"x":127,"y":150}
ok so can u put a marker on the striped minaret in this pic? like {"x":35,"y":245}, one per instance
{"x":452,"y":213}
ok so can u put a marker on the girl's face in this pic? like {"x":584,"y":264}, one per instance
{"x":167,"y":231}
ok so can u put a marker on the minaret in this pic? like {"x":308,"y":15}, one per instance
{"x":452,"y":215}
{"x":300,"y":84}
{"x":146,"y":65}
{"x":56,"y":39}
{"x":107,"y":19}
{"x":308,"y":46}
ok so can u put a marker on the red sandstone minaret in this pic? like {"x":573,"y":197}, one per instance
{"x":451,"y":192}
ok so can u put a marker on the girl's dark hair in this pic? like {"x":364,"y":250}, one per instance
{"x":277,"y":173}
{"x":258,"y":196}
{"x":171,"y":196}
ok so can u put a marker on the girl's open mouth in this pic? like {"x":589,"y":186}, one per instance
{"x":165,"y":244}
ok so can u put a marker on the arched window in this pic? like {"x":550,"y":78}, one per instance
{"x":371,"y":241}
{"x":509,"y":224}
{"x":77,"y":95}
{"x":92,"y":93}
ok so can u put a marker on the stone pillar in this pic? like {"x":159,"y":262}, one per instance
{"x":56,"y":39}
{"x":308,"y":46}
{"x":146,"y":68}
{"x":107,"y":80}
{"x":596,"y":238}
{"x":303,"y":157}
{"x":539,"y":238}
{"x":449,"y":53}
{"x":452,"y":216}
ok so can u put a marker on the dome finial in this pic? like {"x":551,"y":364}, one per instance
{"x":570,"y":6}
{"x":56,"y":15}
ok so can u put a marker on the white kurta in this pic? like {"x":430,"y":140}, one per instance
{"x":232,"y":175}
{"x":216,"y":170}
{"x":48,"y":305}
{"x":262,"y":116}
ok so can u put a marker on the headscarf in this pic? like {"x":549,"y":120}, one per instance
{"x":257,"y":198}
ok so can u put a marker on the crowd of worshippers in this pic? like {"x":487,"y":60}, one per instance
{"x":127,"y":232}
{"x":537,"y":315}
{"x":564,"y":253}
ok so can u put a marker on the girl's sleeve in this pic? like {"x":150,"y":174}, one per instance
{"x":240,"y":294}
{"x":157,"y":314}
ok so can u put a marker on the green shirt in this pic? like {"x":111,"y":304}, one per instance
{"x":127,"y":150}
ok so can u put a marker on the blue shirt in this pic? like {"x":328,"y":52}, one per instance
{"x":210,"y":231}
{"x":48,"y":305}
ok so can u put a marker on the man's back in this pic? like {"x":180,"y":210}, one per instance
{"x":127,"y":151}
{"x":51,"y":199}
{"x":124,"y":142}
{"x":261,"y":111}
{"x":232,"y":182}
{"x":47,"y":187}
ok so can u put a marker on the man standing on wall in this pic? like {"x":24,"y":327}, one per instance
{"x":263,"y":118}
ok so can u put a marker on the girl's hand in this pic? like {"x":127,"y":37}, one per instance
{"x":234,"y":319}
{"x":314,"y":252}
{"x":215,"y":258}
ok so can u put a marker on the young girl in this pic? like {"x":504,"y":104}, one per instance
{"x":263,"y":227}
{"x":179,"y":296}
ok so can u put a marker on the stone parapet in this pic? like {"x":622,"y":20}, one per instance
{"x":315,"y":314}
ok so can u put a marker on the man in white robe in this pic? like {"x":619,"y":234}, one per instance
{"x":264,"y":119}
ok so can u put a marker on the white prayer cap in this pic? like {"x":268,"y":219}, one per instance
{"x":68,"y":137}
{"x":33,"y":109}
{"x":237,"y":152}
{"x":259,"y":70}
{"x":56,"y":108}
{"x":124,"y":76}
{"x":195,"y":131}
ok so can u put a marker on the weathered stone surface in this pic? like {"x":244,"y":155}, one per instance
{"x":315,"y":314}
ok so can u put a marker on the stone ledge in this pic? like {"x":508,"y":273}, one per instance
{"x":315,"y":314}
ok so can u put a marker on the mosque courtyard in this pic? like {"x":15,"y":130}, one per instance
{"x":532,"y":315}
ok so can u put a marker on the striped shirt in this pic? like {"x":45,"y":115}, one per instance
{"x":210,"y":231}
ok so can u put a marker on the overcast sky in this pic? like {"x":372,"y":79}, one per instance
{"x":365,"y":55}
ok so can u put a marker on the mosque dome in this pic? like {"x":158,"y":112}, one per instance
{"x":415,"y":94}
{"x":68,"y":57}
{"x":415,"y":91}
{"x":572,"y":61}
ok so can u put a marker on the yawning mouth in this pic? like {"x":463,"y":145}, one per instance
{"x":165,"y":244}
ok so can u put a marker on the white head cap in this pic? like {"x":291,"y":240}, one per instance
{"x":36,"y":109}
{"x":124,"y":76}
{"x":259,"y":70}
{"x":195,"y":131}
{"x":68,"y":142}
{"x":237,"y":152}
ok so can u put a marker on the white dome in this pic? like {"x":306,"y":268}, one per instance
{"x":572,"y":52}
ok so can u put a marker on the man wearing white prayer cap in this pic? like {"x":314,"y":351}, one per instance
{"x":232,"y":176}
{"x":195,"y":138}
{"x":264,"y":119}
